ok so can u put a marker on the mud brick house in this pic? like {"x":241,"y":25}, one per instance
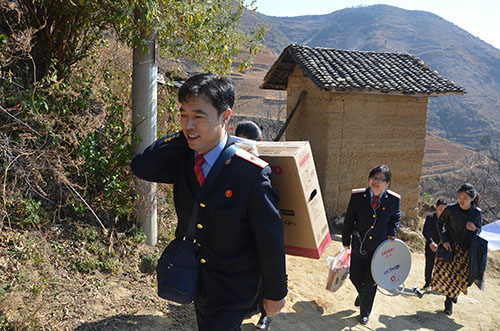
{"x":361,"y":109}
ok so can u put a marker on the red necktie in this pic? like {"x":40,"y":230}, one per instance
{"x":198,"y":161}
{"x":375,"y":201}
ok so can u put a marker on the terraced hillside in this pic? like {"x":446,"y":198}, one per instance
{"x":445,"y":166}
{"x":456,"y":54}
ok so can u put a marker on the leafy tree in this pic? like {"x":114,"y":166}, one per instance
{"x":205,"y":31}
{"x":83,"y":117}
{"x":62,"y":32}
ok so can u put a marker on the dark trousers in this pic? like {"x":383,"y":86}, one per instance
{"x":258,"y":306}
{"x":222,"y":320}
{"x":260,"y":301}
{"x":430,"y":257}
{"x":361,"y":278}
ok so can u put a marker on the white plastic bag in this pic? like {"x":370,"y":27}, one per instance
{"x":338,"y":269}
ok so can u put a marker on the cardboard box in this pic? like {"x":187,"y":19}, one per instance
{"x":301,"y":204}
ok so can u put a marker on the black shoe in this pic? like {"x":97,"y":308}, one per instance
{"x":363,"y":320}
{"x":454,"y":300}
{"x":448,"y":306}
{"x":426,"y":287}
{"x":357,"y":302}
{"x":263,"y":323}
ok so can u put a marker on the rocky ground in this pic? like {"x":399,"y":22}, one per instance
{"x":47,"y":293}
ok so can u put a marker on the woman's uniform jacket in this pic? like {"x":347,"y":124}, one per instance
{"x":239,"y":232}
{"x":368,"y":228}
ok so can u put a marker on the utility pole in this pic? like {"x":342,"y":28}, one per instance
{"x":144,"y":107}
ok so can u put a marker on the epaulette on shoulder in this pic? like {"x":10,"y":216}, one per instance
{"x":359,"y":190}
{"x":394,"y":194}
{"x":172,"y":136}
{"x":250,"y":157}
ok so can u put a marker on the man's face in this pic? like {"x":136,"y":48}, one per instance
{"x":201,"y":125}
{"x":440,"y":209}
{"x":378,"y":183}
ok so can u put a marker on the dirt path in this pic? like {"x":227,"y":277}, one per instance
{"x":310,"y":307}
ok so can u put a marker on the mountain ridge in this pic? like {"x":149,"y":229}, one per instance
{"x":445,"y":47}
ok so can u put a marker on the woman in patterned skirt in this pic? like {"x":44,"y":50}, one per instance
{"x":458,"y":224}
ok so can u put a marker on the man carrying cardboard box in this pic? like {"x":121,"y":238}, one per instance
{"x":239,"y":233}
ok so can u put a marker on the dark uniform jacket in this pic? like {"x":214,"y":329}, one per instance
{"x":430,"y":230}
{"x":368,"y":228}
{"x":452,"y":222}
{"x":239,"y":231}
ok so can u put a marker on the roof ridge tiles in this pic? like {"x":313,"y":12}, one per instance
{"x":337,"y":69}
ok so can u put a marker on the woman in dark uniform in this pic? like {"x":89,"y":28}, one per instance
{"x":373,"y":215}
{"x":432,"y":238}
{"x":458,"y":224}
{"x":250,"y":130}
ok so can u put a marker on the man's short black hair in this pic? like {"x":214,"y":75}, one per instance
{"x":441,"y":202}
{"x":381,"y":169}
{"x":248,"y":129}
{"x":219,"y":91}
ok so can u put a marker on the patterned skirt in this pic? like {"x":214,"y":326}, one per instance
{"x":450,"y":278}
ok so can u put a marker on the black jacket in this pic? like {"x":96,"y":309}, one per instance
{"x":452,"y":222}
{"x":239,"y":230}
{"x":430,"y":230}
{"x":367,"y":228}
{"x":478,"y":255}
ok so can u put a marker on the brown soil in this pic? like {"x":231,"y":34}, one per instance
{"x":54,"y":297}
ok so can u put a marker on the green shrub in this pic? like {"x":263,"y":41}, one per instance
{"x":106,"y":153}
{"x":89,"y":265}
{"x":137,"y":236}
{"x":26,"y":213}
{"x":148,"y":263}
{"x":89,"y":234}
{"x":427,"y":197}
{"x":109,"y":265}
{"x":4,"y":323}
{"x":86,"y":265}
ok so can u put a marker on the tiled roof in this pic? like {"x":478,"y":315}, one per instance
{"x":341,"y":70}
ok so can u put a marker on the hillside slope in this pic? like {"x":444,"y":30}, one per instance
{"x":445,"y":47}
{"x":127,"y":301}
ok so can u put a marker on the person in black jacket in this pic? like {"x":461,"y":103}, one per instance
{"x":250,"y":130}
{"x":239,"y":232}
{"x":373,"y":215}
{"x":459,"y":224}
{"x":432,"y":238}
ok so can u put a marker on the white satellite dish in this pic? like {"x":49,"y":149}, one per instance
{"x":391,"y":264}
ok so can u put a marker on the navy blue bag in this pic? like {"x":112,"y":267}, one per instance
{"x":177,"y":268}
{"x":177,"y":271}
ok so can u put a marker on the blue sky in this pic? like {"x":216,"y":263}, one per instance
{"x":481,"y":18}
